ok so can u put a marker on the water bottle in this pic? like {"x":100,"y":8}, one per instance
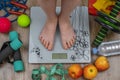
{"x":108,"y":48}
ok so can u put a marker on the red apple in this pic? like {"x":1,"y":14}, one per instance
{"x":75,"y":71}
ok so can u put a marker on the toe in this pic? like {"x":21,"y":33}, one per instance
{"x":71,"y":43}
{"x":46,"y":45}
{"x":73,"y":40}
{"x":41,"y":37}
{"x":44,"y":42}
{"x":65,"y":45}
{"x":68,"y":44}
{"x":74,"y":36}
{"x":50,"y":46}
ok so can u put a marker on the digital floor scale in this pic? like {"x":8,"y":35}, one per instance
{"x":79,"y":53}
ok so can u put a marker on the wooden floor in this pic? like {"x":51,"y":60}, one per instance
{"x":7,"y":72}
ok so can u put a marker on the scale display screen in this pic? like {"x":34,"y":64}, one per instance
{"x":59,"y":55}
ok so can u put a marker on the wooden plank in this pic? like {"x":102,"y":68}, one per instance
{"x":7,"y":72}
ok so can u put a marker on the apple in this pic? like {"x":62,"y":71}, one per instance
{"x":102,"y":63}
{"x":75,"y":71}
{"x":90,"y":71}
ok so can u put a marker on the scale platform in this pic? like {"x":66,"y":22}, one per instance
{"x":79,"y":53}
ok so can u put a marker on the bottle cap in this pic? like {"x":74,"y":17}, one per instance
{"x":94,"y":50}
{"x":13,"y":35}
{"x":18,"y":66}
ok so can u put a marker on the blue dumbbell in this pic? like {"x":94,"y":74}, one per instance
{"x":18,"y":63}
{"x":13,"y":47}
{"x":10,"y":49}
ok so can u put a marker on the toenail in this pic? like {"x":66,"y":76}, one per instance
{"x":49,"y":49}
{"x":65,"y":47}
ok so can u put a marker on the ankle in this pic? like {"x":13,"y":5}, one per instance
{"x":52,"y":18}
{"x":64,"y":20}
{"x":50,"y":21}
{"x":64,"y":17}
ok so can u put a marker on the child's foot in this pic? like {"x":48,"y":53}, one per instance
{"x":48,"y":33}
{"x":67,"y":33}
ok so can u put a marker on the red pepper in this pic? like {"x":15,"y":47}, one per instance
{"x":91,"y":9}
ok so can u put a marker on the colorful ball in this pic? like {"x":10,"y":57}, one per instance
{"x":5,"y":25}
{"x":23,"y":20}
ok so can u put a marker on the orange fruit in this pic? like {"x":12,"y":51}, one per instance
{"x":75,"y":71}
{"x":102,"y":63}
{"x":90,"y":71}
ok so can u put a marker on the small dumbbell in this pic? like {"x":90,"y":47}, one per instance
{"x":18,"y":63}
{"x":10,"y":49}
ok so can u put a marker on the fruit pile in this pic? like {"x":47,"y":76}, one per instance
{"x":75,"y":71}
{"x":89,"y":71}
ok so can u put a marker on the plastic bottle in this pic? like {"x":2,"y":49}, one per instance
{"x":108,"y":48}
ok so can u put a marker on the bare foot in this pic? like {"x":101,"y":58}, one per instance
{"x":67,"y":33}
{"x":48,"y":33}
